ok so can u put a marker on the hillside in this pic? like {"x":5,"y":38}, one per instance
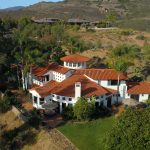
{"x":106,"y":40}
{"x":131,"y":13}
{"x":135,"y":13}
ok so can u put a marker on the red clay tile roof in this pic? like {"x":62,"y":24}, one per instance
{"x":88,"y":87}
{"x":45,"y":90}
{"x":67,"y":87}
{"x":112,"y":91}
{"x":40,"y":71}
{"x":101,"y":74}
{"x":139,"y":88}
{"x":75,"y":58}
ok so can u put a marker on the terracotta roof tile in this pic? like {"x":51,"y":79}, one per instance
{"x":101,"y":74}
{"x":112,"y":91}
{"x":40,"y":71}
{"x":139,"y":88}
{"x":67,"y":87}
{"x":75,"y":58}
{"x":88,"y":87}
{"x":46,"y":89}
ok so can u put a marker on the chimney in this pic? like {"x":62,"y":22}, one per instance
{"x":77,"y":90}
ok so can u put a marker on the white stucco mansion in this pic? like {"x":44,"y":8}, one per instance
{"x":65,"y":84}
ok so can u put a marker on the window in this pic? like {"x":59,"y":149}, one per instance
{"x":97,"y":97}
{"x":58,"y":97}
{"x":53,"y":95}
{"x":64,"y":98}
{"x":113,"y":82}
{"x":41,"y":101}
{"x":142,"y":94}
{"x":47,"y":77}
{"x":77,"y":85}
{"x":102,"y":96}
{"x":70,"y":99}
{"x":79,"y":64}
{"x":99,"y":82}
{"x":70,"y":64}
{"x":35,"y":99}
{"x":74,"y":64}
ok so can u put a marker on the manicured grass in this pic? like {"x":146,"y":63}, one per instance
{"x":89,"y":135}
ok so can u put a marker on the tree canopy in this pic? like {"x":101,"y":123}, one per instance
{"x":131,"y":131}
{"x":83,"y":109}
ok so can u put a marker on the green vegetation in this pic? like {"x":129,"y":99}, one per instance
{"x":127,"y":58}
{"x":7,"y":101}
{"x":132,"y":131}
{"x":148,"y":102}
{"x":88,"y":135}
{"x":83,"y":109}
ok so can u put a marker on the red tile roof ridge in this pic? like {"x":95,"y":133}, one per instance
{"x":75,"y":58}
{"x":52,"y":66}
{"x":46,"y":89}
{"x":112,"y":91}
{"x":88,"y":87}
{"x":102,"y":74}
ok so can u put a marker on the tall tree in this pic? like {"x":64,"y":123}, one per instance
{"x":131,"y":131}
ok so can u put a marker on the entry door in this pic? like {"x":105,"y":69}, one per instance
{"x":136,"y":97}
{"x":109,"y":101}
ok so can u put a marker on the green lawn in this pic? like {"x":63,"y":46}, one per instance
{"x":90,"y":135}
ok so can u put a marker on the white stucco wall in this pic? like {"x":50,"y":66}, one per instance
{"x":142,"y":97}
{"x":75,"y":65}
{"x":35,"y":81}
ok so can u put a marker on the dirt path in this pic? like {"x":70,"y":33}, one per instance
{"x":46,"y":139}
{"x":52,"y":140}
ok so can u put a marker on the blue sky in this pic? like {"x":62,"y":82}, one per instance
{"x":12,"y":3}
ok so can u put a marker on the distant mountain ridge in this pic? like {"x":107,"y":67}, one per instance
{"x":16,"y":8}
{"x":85,"y":9}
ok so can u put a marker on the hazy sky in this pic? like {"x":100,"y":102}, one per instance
{"x":12,"y":3}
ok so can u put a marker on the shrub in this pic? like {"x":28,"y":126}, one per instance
{"x":68,"y":113}
{"x":83,"y":109}
{"x":102,"y":24}
{"x":5,"y":105}
{"x":140,"y":37}
{"x":148,"y":102}
{"x":35,"y":119}
{"x":101,"y":112}
{"x":7,"y":101}
{"x":126,"y":32}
